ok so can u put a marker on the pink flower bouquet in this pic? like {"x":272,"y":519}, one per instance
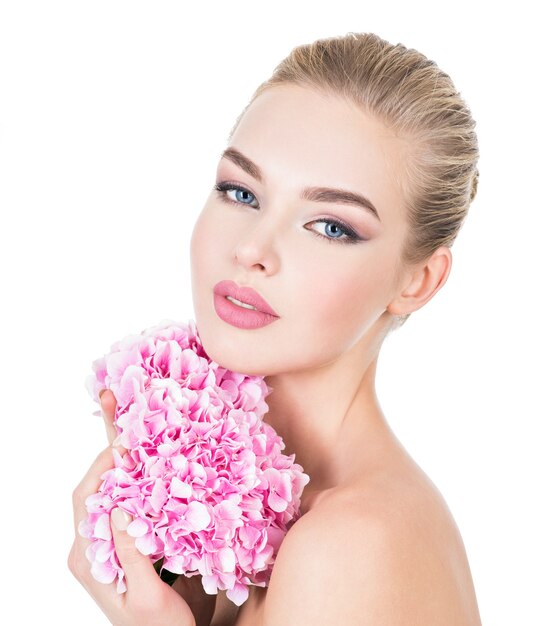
{"x":203,"y":476}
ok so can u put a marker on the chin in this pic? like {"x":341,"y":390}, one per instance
{"x":234,"y":353}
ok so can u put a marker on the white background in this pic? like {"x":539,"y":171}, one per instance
{"x":112,"y":118}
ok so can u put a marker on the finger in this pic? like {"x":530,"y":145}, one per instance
{"x":78,"y":562}
{"x":89,"y":484}
{"x":138,"y":568}
{"x":105,"y":595}
{"x":108,"y":408}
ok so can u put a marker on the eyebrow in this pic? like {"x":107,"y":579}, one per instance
{"x":314,"y":194}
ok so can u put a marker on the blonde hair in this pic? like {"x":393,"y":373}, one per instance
{"x":415,"y":98}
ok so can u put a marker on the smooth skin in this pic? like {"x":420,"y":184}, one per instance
{"x":376,"y":544}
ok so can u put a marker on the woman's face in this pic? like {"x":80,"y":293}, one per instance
{"x":327,"y":268}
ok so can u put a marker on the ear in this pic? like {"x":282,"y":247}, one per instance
{"x":422,"y":282}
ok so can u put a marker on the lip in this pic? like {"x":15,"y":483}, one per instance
{"x":243,"y":294}
{"x":239,"y":316}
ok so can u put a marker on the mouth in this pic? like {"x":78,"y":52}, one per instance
{"x":242,"y":307}
{"x":244,"y":297}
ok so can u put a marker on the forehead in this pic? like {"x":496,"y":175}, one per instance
{"x":304,"y":137}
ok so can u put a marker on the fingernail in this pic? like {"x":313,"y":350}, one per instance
{"x":101,"y":393}
{"x":120,"y":518}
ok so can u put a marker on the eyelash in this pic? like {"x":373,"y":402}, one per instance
{"x":351,"y":236}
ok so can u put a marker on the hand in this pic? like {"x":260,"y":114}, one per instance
{"x":148,"y":600}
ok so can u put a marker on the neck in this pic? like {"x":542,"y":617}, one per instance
{"x":330,"y":419}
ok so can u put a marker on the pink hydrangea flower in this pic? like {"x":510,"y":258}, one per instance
{"x":203,"y":476}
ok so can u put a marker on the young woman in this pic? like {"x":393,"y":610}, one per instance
{"x":343,"y":186}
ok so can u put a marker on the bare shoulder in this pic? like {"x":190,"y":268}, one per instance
{"x":385,"y":551}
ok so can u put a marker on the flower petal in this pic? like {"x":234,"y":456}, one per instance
{"x":198,"y":515}
{"x":238,"y":594}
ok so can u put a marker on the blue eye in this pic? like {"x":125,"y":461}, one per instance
{"x":339,"y":231}
{"x":347,"y":234}
{"x":223,"y":188}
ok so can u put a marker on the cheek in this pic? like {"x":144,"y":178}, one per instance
{"x":341,"y":296}
{"x":202,"y":256}
{"x":206,"y":245}
{"x":344,"y":299}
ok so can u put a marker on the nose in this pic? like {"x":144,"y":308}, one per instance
{"x":256,"y":251}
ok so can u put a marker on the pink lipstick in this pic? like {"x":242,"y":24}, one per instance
{"x":242,"y":314}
